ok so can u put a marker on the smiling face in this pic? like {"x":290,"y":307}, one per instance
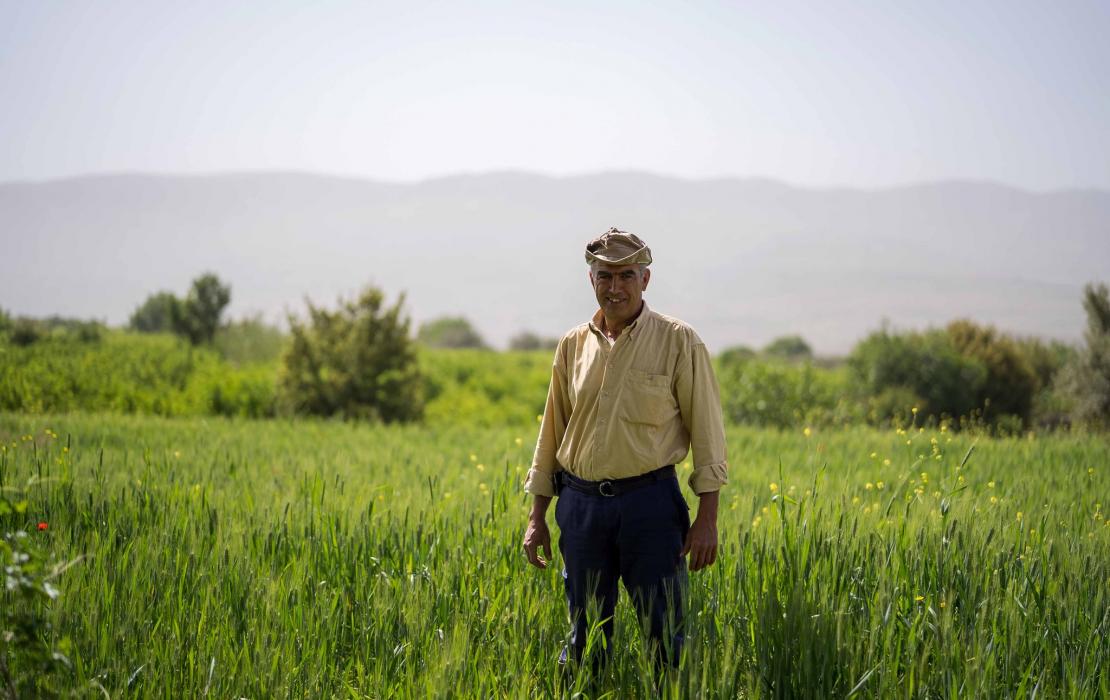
{"x":619,"y":290}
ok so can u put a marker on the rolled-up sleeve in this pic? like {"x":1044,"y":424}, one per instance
{"x":699,"y":401}
{"x":553,"y":428}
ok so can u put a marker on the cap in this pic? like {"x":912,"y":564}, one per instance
{"x":616,"y":247}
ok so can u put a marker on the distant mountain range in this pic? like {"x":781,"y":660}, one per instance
{"x":742,"y":260}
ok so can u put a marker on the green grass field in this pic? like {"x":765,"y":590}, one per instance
{"x":231,"y":559}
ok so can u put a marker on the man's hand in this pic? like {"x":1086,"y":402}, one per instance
{"x":537,"y":535}
{"x":701,"y":540}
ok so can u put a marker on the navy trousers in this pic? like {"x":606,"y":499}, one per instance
{"x":637,"y":538}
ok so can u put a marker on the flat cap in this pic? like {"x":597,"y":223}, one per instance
{"x":616,"y":247}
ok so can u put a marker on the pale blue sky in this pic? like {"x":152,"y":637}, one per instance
{"x":819,"y":93}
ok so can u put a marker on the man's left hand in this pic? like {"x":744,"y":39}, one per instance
{"x":701,"y":542}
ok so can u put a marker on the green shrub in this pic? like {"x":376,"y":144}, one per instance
{"x":527,"y":340}
{"x":1010,"y":383}
{"x":780,"y":394}
{"x":1085,"y":381}
{"x":249,"y":340}
{"x":355,"y":362}
{"x":130,"y":373}
{"x":483,"y":388}
{"x":789,"y":347}
{"x":155,"y":314}
{"x":197,"y":317}
{"x":925,"y":364}
{"x":450,"y":332}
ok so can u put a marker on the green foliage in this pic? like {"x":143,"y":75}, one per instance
{"x":782,"y":394}
{"x":385,"y":562}
{"x":1086,"y":380}
{"x":25,"y":331}
{"x":789,"y":347}
{"x":5,"y":324}
{"x":527,"y":340}
{"x":197,"y":317}
{"x":355,"y":362}
{"x":1010,"y":384}
{"x":926,"y":364}
{"x":249,"y":341}
{"x":31,"y":653}
{"x":156,"y":314}
{"x":131,"y":373}
{"x":484,"y":388}
{"x":450,"y":332}
{"x":735,"y":355}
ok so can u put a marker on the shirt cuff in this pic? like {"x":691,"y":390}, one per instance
{"x":539,"y":483}
{"x":709,"y":477}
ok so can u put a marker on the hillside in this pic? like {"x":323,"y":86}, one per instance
{"x":743,"y":260}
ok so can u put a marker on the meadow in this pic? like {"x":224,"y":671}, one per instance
{"x":216,"y":557}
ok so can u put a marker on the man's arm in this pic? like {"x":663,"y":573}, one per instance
{"x":539,"y":483}
{"x":700,"y":405}
{"x":537,"y":535}
{"x":701,"y":540}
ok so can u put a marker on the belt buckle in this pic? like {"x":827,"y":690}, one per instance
{"x":605,"y":488}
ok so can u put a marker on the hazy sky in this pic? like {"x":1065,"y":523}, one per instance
{"x":816,"y":93}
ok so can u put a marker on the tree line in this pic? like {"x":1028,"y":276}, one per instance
{"x":359,"y":359}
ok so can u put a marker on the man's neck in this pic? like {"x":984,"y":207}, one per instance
{"x":613,"y":329}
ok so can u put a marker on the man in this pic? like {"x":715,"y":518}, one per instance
{"x":630,"y":392}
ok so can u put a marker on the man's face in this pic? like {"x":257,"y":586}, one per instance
{"x":619,"y":289}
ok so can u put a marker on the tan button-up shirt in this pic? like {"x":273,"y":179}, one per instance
{"x":621,"y":410}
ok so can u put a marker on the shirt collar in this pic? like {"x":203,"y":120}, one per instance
{"x":631,"y":329}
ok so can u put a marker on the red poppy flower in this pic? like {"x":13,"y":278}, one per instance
{"x":43,"y":526}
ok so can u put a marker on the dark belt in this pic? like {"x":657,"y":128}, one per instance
{"x":611,"y":487}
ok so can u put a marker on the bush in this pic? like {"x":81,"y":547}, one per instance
{"x":1085,"y":381}
{"x":1010,"y":383}
{"x":735,"y":355}
{"x":156,"y":314}
{"x":484,"y":388}
{"x":356,"y":362}
{"x":25,"y":331}
{"x":198,"y":316}
{"x":250,"y":340}
{"x":131,"y":373}
{"x":926,"y":364}
{"x":450,"y":332}
{"x":779,"y":394}
{"x":527,"y":340}
{"x":789,"y":347}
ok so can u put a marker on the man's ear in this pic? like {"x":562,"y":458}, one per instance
{"x":647,"y":276}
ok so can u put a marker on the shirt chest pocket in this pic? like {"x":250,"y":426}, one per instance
{"x":647,"y":398}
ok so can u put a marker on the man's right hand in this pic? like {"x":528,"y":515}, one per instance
{"x":535,"y":537}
